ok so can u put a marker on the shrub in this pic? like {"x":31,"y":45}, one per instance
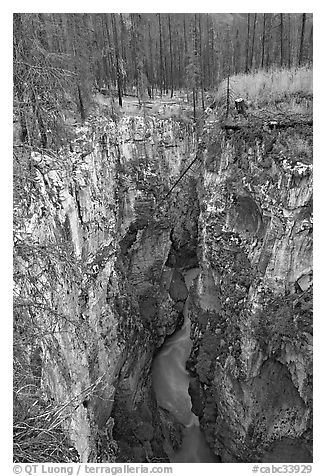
{"x":283,"y":318}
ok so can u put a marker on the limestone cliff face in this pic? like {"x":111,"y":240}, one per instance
{"x":252,"y":307}
{"x":97,"y":273}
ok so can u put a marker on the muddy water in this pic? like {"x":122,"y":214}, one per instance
{"x":171,"y":382}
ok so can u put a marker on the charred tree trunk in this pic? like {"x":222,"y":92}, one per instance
{"x":161,"y":56}
{"x":201,"y":67}
{"x":171,"y":58}
{"x":263,"y":42}
{"x":268,"y":45}
{"x":311,"y":44}
{"x":228,"y":97}
{"x":281,"y":33}
{"x":180,"y":67}
{"x":166,"y":90}
{"x":303,"y":23}
{"x":185,"y":38}
{"x":151,"y":60}
{"x":236,"y":54}
{"x":248,"y":38}
{"x":123,"y":49}
{"x":116,"y":47}
{"x":185,"y":51}
{"x":253,"y":40}
{"x":289,"y":40}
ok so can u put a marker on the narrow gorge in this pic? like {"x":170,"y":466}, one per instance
{"x":171,"y":328}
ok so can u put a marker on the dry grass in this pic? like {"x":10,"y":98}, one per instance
{"x":37,"y":432}
{"x":295,"y":86}
{"x":38,"y":422}
{"x":38,"y":438}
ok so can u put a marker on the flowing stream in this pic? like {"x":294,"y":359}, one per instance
{"x":171,"y":382}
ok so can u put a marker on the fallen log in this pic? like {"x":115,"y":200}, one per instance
{"x":271,"y":124}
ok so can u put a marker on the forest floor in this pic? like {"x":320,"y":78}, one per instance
{"x":163,"y":106}
{"x":274,"y":99}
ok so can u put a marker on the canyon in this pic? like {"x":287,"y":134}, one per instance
{"x":106,"y":252}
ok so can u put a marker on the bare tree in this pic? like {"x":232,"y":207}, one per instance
{"x":123,"y":40}
{"x":281,"y":34}
{"x":151,"y":59}
{"x":201,"y":65}
{"x":303,"y":23}
{"x":269,"y":39}
{"x":161,"y":56}
{"x":171,"y":56}
{"x":248,"y":38}
{"x":311,"y":43}
{"x":289,"y":41}
{"x":263,"y":41}
{"x":253,"y":40}
{"x":116,"y":47}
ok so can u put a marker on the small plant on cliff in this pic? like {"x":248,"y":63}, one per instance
{"x":37,"y":432}
{"x":283,"y":319}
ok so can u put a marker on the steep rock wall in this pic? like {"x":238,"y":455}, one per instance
{"x":93,"y":272}
{"x":251,"y":314}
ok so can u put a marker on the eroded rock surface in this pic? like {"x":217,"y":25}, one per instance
{"x":108,"y":251}
{"x":252,"y":311}
{"x":99,"y":248}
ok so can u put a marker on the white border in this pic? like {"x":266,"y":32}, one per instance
{"x":319,"y":187}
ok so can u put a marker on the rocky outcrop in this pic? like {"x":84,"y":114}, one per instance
{"x":251,"y":313}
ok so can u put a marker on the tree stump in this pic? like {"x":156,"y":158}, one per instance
{"x":241,"y":106}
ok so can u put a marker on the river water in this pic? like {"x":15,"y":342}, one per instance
{"x":171,"y":382}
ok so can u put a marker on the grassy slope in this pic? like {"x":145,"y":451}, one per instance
{"x":281,"y":89}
